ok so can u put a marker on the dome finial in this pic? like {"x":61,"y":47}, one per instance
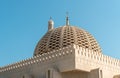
{"x":50,"y":24}
{"x":67,"y":19}
{"x":50,"y":18}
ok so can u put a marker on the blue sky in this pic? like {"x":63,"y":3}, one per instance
{"x":24,"y":22}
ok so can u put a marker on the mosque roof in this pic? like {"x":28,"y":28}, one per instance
{"x":66,"y":35}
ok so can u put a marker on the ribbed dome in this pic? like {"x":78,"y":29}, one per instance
{"x":64,"y":36}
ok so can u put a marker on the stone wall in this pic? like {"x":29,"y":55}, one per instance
{"x":36,"y":67}
{"x":87,"y":60}
{"x":66,"y":59}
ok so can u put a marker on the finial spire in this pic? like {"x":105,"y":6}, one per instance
{"x":67,"y":19}
{"x":50,"y":18}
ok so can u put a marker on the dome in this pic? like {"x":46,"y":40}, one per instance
{"x":66,"y":35}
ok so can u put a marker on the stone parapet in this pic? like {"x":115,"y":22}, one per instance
{"x":96,"y":60}
{"x":40,"y":58}
{"x":87,"y":57}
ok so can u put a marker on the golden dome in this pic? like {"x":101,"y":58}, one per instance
{"x":66,"y":35}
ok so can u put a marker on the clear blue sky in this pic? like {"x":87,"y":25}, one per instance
{"x":24,"y":22}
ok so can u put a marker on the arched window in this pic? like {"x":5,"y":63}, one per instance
{"x":23,"y":77}
{"x":101,"y":73}
{"x":49,"y":73}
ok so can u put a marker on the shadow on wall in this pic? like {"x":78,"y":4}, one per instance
{"x":27,"y":76}
{"x":117,"y":76}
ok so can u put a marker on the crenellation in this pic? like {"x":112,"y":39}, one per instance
{"x":99,"y":60}
{"x":38,"y":58}
{"x":89,"y":57}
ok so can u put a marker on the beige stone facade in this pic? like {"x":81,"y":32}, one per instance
{"x":65,"y":52}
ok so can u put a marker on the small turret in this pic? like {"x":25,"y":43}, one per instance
{"x":50,"y":24}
